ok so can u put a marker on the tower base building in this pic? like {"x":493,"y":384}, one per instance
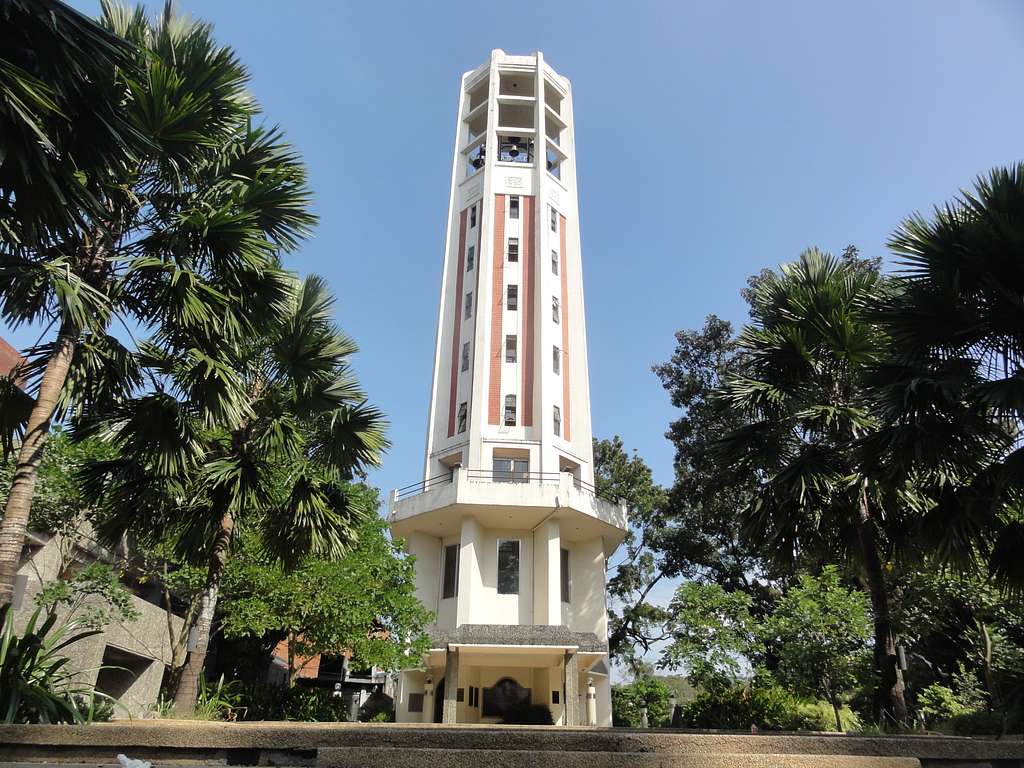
{"x":509,"y":532}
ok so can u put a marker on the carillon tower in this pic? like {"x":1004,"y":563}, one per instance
{"x":508,"y":530}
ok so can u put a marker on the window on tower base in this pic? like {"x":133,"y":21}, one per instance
{"x":510,"y":410}
{"x":463,"y":408}
{"x":513,"y":249}
{"x":554,"y":308}
{"x":557,"y":419}
{"x":513,"y":207}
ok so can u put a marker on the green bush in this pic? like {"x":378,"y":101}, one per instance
{"x":35,"y":683}
{"x":262,"y":701}
{"x":764,"y":704}
{"x":627,"y":700}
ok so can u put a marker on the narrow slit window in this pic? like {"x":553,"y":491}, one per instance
{"x":510,"y":410}
{"x":565,"y":576}
{"x":508,"y":566}
{"x":513,"y":207}
{"x":556,"y":360}
{"x":472,"y":217}
{"x":510,"y":348}
{"x":554,"y":308}
{"x":469,"y":305}
{"x":451,"y":571}
{"x":470,"y":258}
{"x":465,"y":356}
{"x":554,"y":262}
{"x":513,"y":249}
{"x":554,"y":220}
{"x":557,"y":421}
{"x":463,"y":412}
{"x":512,"y":298}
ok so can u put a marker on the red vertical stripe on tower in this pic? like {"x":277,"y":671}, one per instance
{"x":460,"y":268}
{"x":497,"y":306}
{"x":529,"y":311}
{"x":565,"y":329}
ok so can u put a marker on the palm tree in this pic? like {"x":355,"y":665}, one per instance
{"x":179,"y":241}
{"x":281,"y":471}
{"x":801,"y":397}
{"x":955,"y":392}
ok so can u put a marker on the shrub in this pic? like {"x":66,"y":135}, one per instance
{"x":35,"y":683}
{"x":627,"y":700}
{"x":262,"y":701}
{"x":764,"y":704}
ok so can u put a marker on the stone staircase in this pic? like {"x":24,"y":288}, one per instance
{"x":340,"y":745}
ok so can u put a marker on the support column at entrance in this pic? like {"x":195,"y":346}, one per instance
{"x":449,"y":712}
{"x":572,"y":689}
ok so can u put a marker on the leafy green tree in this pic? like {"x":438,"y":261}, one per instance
{"x":364,"y":604}
{"x":713,"y":635}
{"x":644,"y":691}
{"x":179,"y":239}
{"x":801,"y":395}
{"x":281,"y":469}
{"x":94,"y":596}
{"x":820,"y":630}
{"x":635,"y":624}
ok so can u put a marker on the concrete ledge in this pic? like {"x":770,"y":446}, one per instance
{"x":304,"y":743}
{"x":393,"y":757}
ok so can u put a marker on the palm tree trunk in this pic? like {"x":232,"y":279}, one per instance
{"x":890,"y":707}
{"x":188,"y":687}
{"x":30,"y":455}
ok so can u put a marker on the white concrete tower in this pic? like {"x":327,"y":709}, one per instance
{"x":509,"y":534}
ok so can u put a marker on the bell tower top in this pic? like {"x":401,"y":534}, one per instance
{"x":510,"y":386}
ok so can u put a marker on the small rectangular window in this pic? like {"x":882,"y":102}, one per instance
{"x":472,"y":217}
{"x":556,"y":359}
{"x":470,"y":258}
{"x":463,"y":408}
{"x":565,"y":575}
{"x":510,"y":410}
{"x":512,"y":300}
{"x":510,"y":348}
{"x":469,"y":305}
{"x":554,"y":220}
{"x":554,"y":262}
{"x":555,"y":697}
{"x":554,"y":308}
{"x":513,"y":249}
{"x":508,"y":566}
{"x":465,"y":356}
{"x":451,"y":571}
{"x":460,"y":694}
{"x":415,"y":702}
{"x":557,"y":418}
{"x":511,"y":470}
{"x":513,"y":207}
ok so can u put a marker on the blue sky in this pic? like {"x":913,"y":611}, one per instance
{"x":713,"y":139}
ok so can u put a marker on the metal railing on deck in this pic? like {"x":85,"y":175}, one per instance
{"x":502,"y":476}
{"x":511,"y":476}
{"x":423,"y":485}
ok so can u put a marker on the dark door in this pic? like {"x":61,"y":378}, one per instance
{"x":439,"y":702}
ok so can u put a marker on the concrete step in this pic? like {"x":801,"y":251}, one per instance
{"x":406,"y":757}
